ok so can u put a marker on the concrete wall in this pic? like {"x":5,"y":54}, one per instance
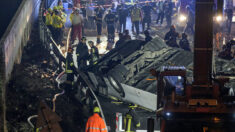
{"x":11,"y":46}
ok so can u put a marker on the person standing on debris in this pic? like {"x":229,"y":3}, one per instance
{"x":160,"y":12}
{"x":77,"y":21}
{"x":49,"y":19}
{"x":147,"y":16}
{"x":94,"y":54}
{"x":122,"y":15}
{"x":184,"y":44}
{"x":190,"y":20}
{"x":99,"y":16}
{"x":131,"y":119}
{"x":147,"y":36}
{"x":136,"y":16}
{"x":95,"y":123}
{"x":70,"y":70}
{"x":57,"y":25}
{"x":171,"y":36}
{"x":168,"y":12}
{"x":110,"y":19}
{"x":82,"y":54}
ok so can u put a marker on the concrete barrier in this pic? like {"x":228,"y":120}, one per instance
{"x":11,"y":47}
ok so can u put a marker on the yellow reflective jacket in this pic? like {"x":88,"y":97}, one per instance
{"x":136,"y":14}
{"x":48,"y":19}
{"x":57,"y":21}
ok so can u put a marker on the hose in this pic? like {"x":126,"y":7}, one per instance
{"x":29,"y":120}
{"x":54,"y":99}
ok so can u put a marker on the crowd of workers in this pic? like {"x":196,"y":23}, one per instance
{"x":115,"y":19}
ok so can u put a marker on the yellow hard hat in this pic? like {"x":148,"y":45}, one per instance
{"x":96,"y":110}
{"x":55,"y":8}
{"x":49,"y":10}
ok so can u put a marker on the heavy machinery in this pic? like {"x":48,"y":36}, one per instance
{"x":202,"y":105}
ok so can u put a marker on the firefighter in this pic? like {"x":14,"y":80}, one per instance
{"x":57,"y":25}
{"x":160,"y":12}
{"x":110,"y":19}
{"x":49,"y":19}
{"x":94,"y":54}
{"x":70,"y":70}
{"x":122,"y":15}
{"x":171,"y":37}
{"x":82,"y":54}
{"x":168,"y":12}
{"x":95,"y":123}
{"x":184,"y":44}
{"x":77,"y":21}
{"x":190,"y":20}
{"x":99,"y":15}
{"x":147,"y":36}
{"x":131,"y":119}
{"x":147,"y":16}
{"x":136,"y":17}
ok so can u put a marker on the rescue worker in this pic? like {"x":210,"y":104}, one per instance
{"x":131,"y":119}
{"x":95,"y":123}
{"x":94,"y":54}
{"x":168,"y":12}
{"x":70,"y":70}
{"x":136,"y":16}
{"x":110,"y":19}
{"x":184,"y":44}
{"x":171,"y":36}
{"x":90,"y":17}
{"x":77,"y":21}
{"x":160,"y":12}
{"x":122,"y":15}
{"x":57,"y":25}
{"x":49,"y":19}
{"x":190,"y":20}
{"x":99,"y":16}
{"x":147,"y":15}
{"x":82,"y":54}
{"x":147,"y":36}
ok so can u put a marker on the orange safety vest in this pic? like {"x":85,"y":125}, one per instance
{"x":95,"y":124}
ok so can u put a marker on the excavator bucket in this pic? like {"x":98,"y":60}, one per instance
{"x":48,"y":121}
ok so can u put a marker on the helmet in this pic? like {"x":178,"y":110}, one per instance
{"x":96,"y":110}
{"x":83,"y":38}
{"x":132,"y":106}
{"x":55,"y":8}
{"x":90,"y":42}
{"x":49,"y":10}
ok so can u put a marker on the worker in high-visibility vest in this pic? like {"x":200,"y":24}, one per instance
{"x":70,"y":70}
{"x":57,"y":25}
{"x":95,"y":123}
{"x":94,"y":53}
{"x":131,"y":119}
{"x":49,"y":19}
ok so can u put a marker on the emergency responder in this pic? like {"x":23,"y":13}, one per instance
{"x":147,"y":16}
{"x":94,"y":54}
{"x":57,"y":25}
{"x":77,"y":21}
{"x":122,"y":15}
{"x":99,"y":16}
{"x":90,"y":17}
{"x":229,"y":13}
{"x":171,"y":36}
{"x":70,"y":70}
{"x":131,"y":119}
{"x":184,"y":44}
{"x":126,"y":35}
{"x":110,"y":19}
{"x":136,"y":17}
{"x":190,"y":20}
{"x":160,"y":11}
{"x":168,"y":12}
{"x":82,"y":54}
{"x":49,"y":19}
{"x":147,"y":36}
{"x":95,"y":123}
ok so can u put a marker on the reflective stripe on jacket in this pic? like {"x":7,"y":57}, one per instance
{"x":57,"y":21}
{"x":48,"y":19}
{"x":136,"y":14}
{"x":95,"y":124}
